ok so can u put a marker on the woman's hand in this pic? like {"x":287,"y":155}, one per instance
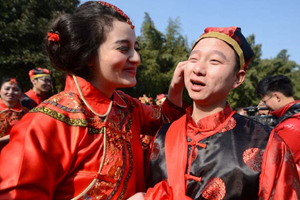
{"x":177,"y":85}
{"x":137,"y":196}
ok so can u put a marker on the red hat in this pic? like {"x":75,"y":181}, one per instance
{"x":234,"y":37}
{"x":160,"y":96}
{"x":38,"y":72}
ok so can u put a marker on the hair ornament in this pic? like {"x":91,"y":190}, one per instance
{"x":118,"y":10}
{"x":53,"y":36}
{"x":13,"y":81}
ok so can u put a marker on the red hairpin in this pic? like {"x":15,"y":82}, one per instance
{"x":118,"y":10}
{"x":53,"y":36}
{"x":13,"y":81}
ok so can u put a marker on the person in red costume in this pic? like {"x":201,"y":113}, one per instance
{"x":11,"y":110}
{"x":276,"y":92}
{"x":212,"y":152}
{"x":41,"y":86}
{"x":84,"y":142}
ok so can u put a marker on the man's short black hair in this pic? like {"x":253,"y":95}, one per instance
{"x":278,"y":83}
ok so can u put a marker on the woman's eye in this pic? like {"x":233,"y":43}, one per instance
{"x":123,"y":48}
{"x":137,"y":49}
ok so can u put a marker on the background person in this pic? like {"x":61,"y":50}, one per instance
{"x":212,"y":152}
{"x":84,"y":142}
{"x":41,"y":86}
{"x":11,"y":110}
{"x":276,"y":92}
{"x":160,"y":98}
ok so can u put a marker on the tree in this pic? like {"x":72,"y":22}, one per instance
{"x":23,"y":26}
{"x":159,"y":56}
{"x":245,"y":94}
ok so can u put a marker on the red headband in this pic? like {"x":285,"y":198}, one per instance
{"x":13,"y":81}
{"x":118,"y":10}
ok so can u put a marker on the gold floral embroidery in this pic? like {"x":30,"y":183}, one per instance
{"x":115,"y":171}
{"x":145,"y":141}
{"x":253,"y":158}
{"x":215,"y":189}
{"x":9,"y":118}
{"x":156,"y":112}
{"x":229,"y":126}
{"x":59,"y":116}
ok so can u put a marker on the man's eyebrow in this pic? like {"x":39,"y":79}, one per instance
{"x":220,"y":53}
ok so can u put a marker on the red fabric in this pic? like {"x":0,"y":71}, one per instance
{"x":160,"y":191}
{"x":9,"y":117}
{"x":226,"y":30}
{"x":289,"y":131}
{"x":278,"y":179}
{"x":36,"y":98}
{"x":55,"y":152}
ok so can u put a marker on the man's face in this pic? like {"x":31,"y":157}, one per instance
{"x":270,"y":102}
{"x":209,"y":73}
{"x":42,"y":84}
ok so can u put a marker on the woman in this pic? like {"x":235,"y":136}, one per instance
{"x":84,"y":143}
{"x":11,"y":110}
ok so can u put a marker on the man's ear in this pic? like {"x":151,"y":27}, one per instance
{"x":278,"y":96}
{"x":33,"y":81}
{"x":239,"y":78}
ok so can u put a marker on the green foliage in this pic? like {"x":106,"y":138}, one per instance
{"x":160,"y":54}
{"x":23,"y":26}
{"x":245,"y":94}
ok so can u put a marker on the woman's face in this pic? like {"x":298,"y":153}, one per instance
{"x":117,"y":60}
{"x":10,"y":92}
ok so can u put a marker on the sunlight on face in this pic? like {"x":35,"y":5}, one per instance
{"x":209,"y":73}
{"x":117,"y":60}
{"x":10,"y":92}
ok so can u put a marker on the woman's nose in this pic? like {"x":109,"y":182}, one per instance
{"x":135,"y":57}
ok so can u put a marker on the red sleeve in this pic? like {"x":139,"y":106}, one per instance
{"x":37,"y":158}
{"x":289,"y":131}
{"x":153,"y":117}
{"x":279,"y":178}
{"x":161,"y":191}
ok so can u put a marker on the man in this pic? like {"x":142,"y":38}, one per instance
{"x":41,"y":86}
{"x":212,"y":152}
{"x":276,"y":92}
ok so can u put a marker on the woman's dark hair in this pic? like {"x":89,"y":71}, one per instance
{"x":80,"y":35}
{"x":10,"y":79}
{"x":277,"y":83}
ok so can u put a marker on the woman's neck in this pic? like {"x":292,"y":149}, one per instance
{"x":10,"y":104}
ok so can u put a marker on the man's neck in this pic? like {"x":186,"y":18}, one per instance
{"x":200,"y":112}
{"x":38,"y":92}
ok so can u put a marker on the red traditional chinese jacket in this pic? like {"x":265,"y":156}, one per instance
{"x":10,"y":116}
{"x":57,"y":150}
{"x":224,"y":156}
{"x":289,"y":128}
